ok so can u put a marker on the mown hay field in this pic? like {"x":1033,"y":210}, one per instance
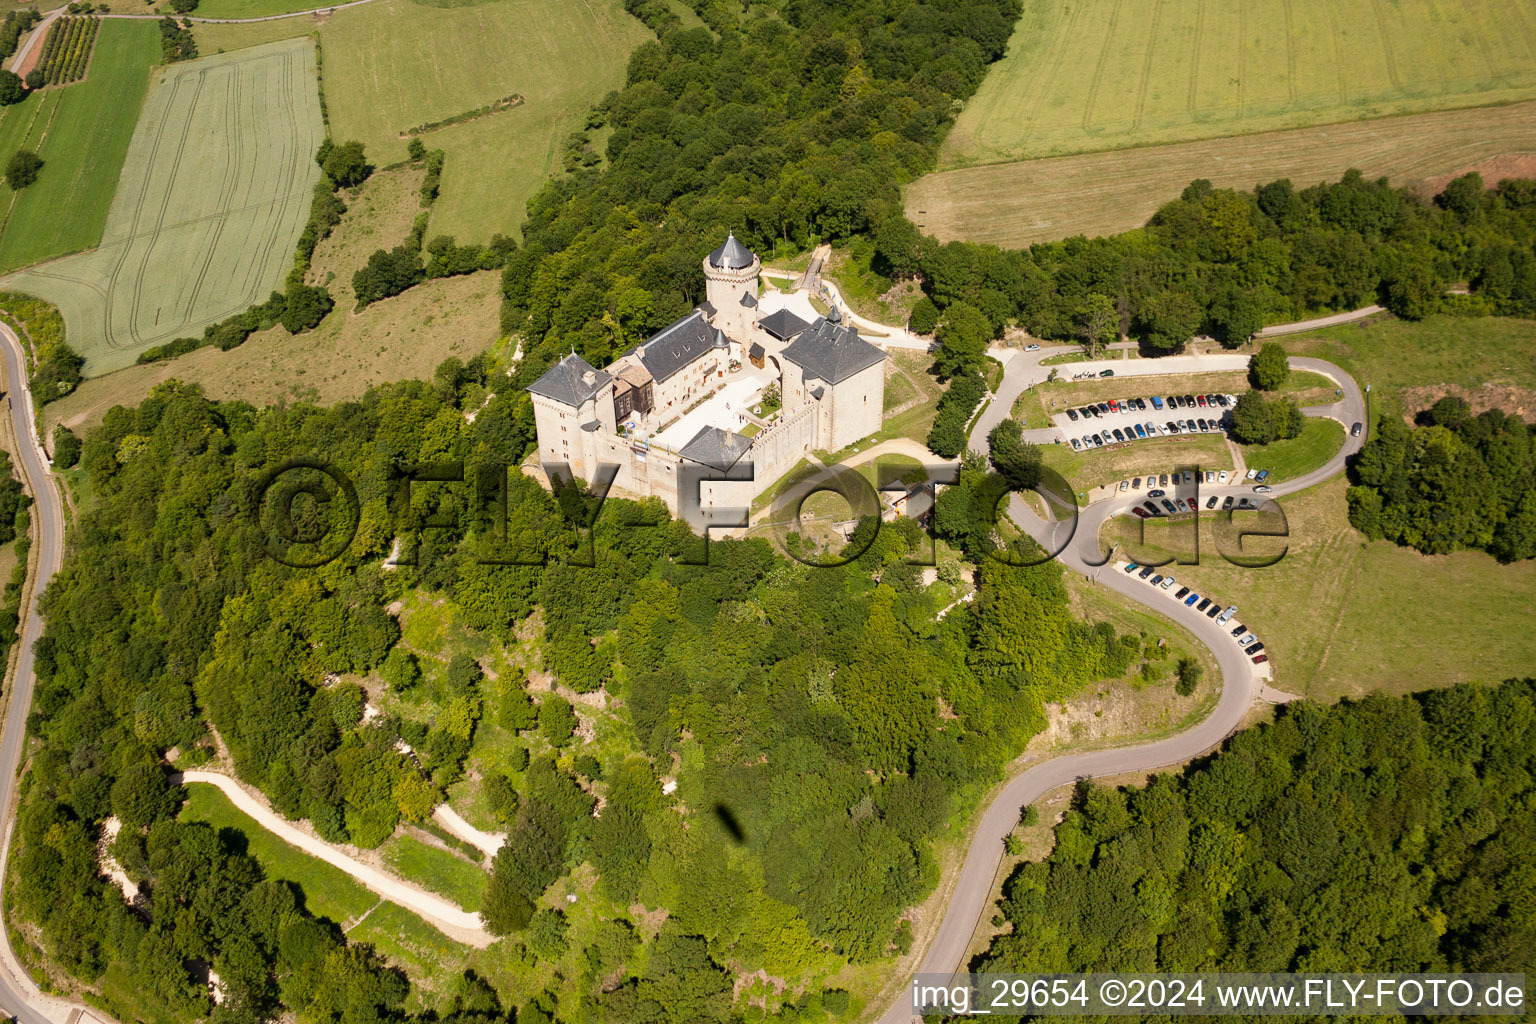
{"x":82,"y":133}
{"x":1020,"y":203}
{"x":1105,"y":74}
{"x":213,"y":195}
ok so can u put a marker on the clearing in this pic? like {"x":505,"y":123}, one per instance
{"x":1331,"y":612}
{"x":395,"y":64}
{"x":1016,"y":204}
{"x":82,"y":133}
{"x":214,"y":193}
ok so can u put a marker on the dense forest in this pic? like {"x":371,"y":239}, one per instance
{"x":819,"y":721}
{"x":1454,"y":482}
{"x":1386,"y":834}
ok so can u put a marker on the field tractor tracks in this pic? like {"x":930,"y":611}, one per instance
{"x":233,"y":169}
{"x":1242,"y":56}
{"x":1192,"y":103}
{"x":1290,"y":51}
{"x":1386,"y":44}
{"x":1067,"y":30}
{"x":1336,"y":36}
{"x":1098,"y":71}
{"x":1146,"y":66}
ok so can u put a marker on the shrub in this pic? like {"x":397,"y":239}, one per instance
{"x":21,"y":169}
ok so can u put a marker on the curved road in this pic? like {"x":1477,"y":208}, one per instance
{"x":18,"y":995}
{"x":1080,"y":551}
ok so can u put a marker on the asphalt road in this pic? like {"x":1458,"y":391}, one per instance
{"x":1080,"y":551}
{"x":18,"y":996}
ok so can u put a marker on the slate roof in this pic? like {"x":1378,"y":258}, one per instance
{"x":782,"y":324}
{"x":675,"y":346}
{"x":716,"y":448}
{"x":831,"y":352}
{"x":749,"y":300}
{"x":567,"y":381}
{"x":706,"y":307}
{"x":732,"y":255}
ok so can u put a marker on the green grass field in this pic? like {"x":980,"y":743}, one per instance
{"x":1101,"y":74}
{"x":214,"y":192}
{"x":1489,"y":360}
{"x":82,"y":133}
{"x":395,"y":64}
{"x":252,"y":8}
{"x":1319,"y":441}
{"x":436,"y":869}
{"x":1105,"y":465}
{"x":328,"y":891}
{"x":1342,"y":616}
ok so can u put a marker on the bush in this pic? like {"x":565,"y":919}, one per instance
{"x":345,"y":164}
{"x":1269,"y":367}
{"x":924,"y":318}
{"x":1189,"y":677}
{"x":546,"y":934}
{"x":12,"y":88}
{"x":21,"y":169}
{"x":557,"y":721}
{"x":66,"y":447}
{"x":305,"y":306}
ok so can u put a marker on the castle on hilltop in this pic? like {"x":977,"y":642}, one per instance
{"x":698,"y":394}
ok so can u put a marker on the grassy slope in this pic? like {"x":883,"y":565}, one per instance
{"x":1319,"y":441}
{"x":403,"y":337}
{"x":1107,"y":465}
{"x":1335,"y":614}
{"x":88,"y":126}
{"x":379,"y":216}
{"x":436,"y":869}
{"x":1098,"y":74}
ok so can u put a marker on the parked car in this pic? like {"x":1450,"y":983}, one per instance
{"x":1210,"y":476}
{"x":1156,"y":493}
{"x":1157,"y":580}
{"x":1213,"y":611}
{"x":1151,"y":429}
{"x":1193,"y":506}
{"x":1151,"y":507}
{"x":1246,"y":639}
{"x":1205,"y":603}
{"x":1180,"y":595}
{"x":1173,"y":428}
{"x":1255,"y":648}
{"x":1261,"y":659}
{"x":1170,"y":506}
{"x":1251,"y":474}
{"x":1263,"y":489}
{"x":1140,"y":430}
{"x":1077,"y":445}
{"x":1140,"y":512}
{"x":1106,"y":373}
{"x":1162,"y":481}
{"x":1239,"y":629}
{"x":1141,"y":405}
{"x":1189,"y":401}
{"x":1212,"y":502}
{"x":1221,"y":400}
{"x":1226,"y":615}
{"x":1118,"y":435}
{"x":1200,"y":400}
{"x":1157,"y":403}
{"x":1189,"y":477}
{"x":1136,"y":484}
{"x":1226,"y":503}
{"x":1098,"y":440}
{"x":1168,"y":581}
{"x":1204,"y":425}
{"x":1145,"y":572}
{"x":1114,"y":406}
{"x":1072,"y":415}
{"x":1131,"y":567}
{"x":1190,"y":600}
{"x":1103,"y":408}
{"x":1354,"y":431}
{"x":1263,"y":476}
{"x":1031,"y":348}
{"x":1221,"y":477}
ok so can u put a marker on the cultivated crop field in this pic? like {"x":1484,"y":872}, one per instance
{"x":1102,"y":74}
{"x":1017,"y":204}
{"x":82,"y":134}
{"x":214,"y":192}
{"x":67,"y":49}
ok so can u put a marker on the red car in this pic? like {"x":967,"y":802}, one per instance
{"x":1259,"y":659}
{"x":1191,"y":503}
{"x":1141,"y":512}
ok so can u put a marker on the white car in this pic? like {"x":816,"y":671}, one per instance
{"x":1210,"y":476}
{"x":1251,"y":474}
{"x":1221,"y":477}
{"x":1124,"y":484}
{"x":1031,"y":348}
{"x":1246,"y":639}
{"x":1168,"y":582}
{"x":1226,"y":616}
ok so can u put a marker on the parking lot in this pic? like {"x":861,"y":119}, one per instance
{"x":1139,"y":417}
{"x":1202,"y":605}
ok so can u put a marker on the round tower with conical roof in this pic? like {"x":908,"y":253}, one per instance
{"x":731,"y":284}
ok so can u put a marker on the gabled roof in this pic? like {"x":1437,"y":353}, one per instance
{"x":782,"y":324}
{"x":732,"y":255}
{"x":756,"y":351}
{"x":571,"y":381}
{"x":675,"y":346}
{"x":831,"y":352}
{"x":716,"y":448}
